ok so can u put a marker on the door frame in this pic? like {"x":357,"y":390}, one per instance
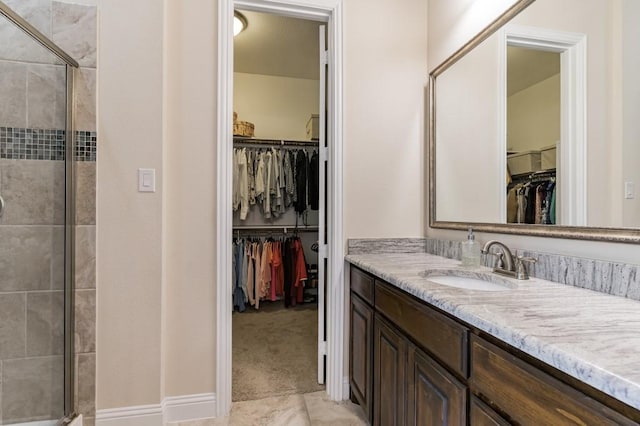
{"x":572,"y":153}
{"x":330,"y":11}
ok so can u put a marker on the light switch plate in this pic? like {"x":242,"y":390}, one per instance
{"x":629,"y":190}
{"x":146,"y":180}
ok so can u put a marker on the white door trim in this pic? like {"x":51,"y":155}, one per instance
{"x":324,"y":10}
{"x":572,"y":163}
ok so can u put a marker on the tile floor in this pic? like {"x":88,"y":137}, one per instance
{"x":314,"y":409}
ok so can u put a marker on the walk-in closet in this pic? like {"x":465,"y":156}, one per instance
{"x":276,"y":207}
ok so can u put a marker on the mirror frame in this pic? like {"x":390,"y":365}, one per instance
{"x":615,"y":235}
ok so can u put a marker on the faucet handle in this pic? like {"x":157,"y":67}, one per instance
{"x":499,"y":259}
{"x":521,"y":268}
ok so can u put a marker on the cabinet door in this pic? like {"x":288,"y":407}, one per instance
{"x":481,"y":415}
{"x":390,"y":359}
{"x":361,"y":352}
{"x":434,"y":396}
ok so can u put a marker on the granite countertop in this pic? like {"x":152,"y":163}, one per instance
{"x":591,"y":336}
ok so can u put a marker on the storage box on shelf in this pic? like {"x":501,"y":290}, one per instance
{"x":243,"y":128}
{"x":313,"y":131}
{"x":548,"y":157}
{"x":523,"y":162}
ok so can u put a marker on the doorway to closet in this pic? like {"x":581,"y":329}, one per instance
{"x":279,"y":93}
{"x":334,"y":350}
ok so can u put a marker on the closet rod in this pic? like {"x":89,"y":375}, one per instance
{"x":284,"y":228}
{"x":273,"y":142}
{"x":538,"y":174}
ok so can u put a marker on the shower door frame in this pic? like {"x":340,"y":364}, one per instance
{"x":69,"y":233}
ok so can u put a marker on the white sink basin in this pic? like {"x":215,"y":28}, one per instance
{"x":479,"y":283}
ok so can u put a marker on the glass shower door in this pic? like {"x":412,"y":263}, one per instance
{"x":33,"y":111}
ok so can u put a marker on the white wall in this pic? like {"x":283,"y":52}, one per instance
{"x":452,"y":23}
{"x":533,"y":116}
{"x":156,"y":303}
{"x":470,"y":149}
{"x":155,"y":260}
{"x":129,"y":224}
{"x":446,"y":34}
{"x":631,"y":108}
{"x":279,"y":107}
{"x":190,"y":191}
{"x":385,"y":69}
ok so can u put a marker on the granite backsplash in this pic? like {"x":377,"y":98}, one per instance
{"x":615,"y":278}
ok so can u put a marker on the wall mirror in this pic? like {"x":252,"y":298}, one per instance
{"x":534,"y":125}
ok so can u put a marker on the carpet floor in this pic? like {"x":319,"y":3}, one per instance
{"x":274,"y":352}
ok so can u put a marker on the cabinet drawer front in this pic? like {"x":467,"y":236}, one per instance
{"x":362,"y":284}
{"x":361,"y":349}
{"x":530,"y":396}
{"x":434,"y":396}
{"x":441,"y":336}
{"x":482,"y":415}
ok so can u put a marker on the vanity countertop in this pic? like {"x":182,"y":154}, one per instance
{"x":591,"y":336}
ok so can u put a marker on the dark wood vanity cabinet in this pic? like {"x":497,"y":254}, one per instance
{"x":480,"y":414}
{"x":361,"y":341}
{"x":434,"y":396}
{"x":411,"y":364}
{"x":410,"y":388}
{"x":390,"y":361}
{"x":530,"y":396}
{"x":361,"y":359}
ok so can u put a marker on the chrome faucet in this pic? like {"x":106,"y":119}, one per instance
{"x":505,"y":258}
{"x":508,"y":264}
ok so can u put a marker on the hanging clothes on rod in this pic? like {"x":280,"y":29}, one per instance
{"x":275,"y":178}
{"x":532,"y":199}
{"x":301,"y":181}
{"x":268,"y":269}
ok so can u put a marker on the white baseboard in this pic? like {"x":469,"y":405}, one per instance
{"x":172,"y":409}
{"x":189,"y":407}
{"x":142,"y":415}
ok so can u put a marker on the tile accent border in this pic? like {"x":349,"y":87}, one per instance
{"x":86,"y":145}
{"x":18,"y":143}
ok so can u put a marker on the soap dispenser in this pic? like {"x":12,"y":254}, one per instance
{"x":470,"y":251}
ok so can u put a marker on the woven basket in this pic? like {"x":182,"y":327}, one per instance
{"x":235,"y":117}
{"x":243,"y":128}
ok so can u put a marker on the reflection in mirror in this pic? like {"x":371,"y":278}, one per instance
{"x":551,"y":96}
{"x":533,"y":133}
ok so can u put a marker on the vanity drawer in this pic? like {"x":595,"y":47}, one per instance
{"x":362,"y":284}
{"x":481,"y":415}
{"x":441,"y":336}
{"x":529,"y":396}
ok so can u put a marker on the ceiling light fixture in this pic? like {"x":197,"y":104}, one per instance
{"x":240,"y":23}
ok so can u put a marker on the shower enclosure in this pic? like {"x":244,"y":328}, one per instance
{"x":36,"y":222}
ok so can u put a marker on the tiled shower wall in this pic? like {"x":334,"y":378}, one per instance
{"x":32,"y":90}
